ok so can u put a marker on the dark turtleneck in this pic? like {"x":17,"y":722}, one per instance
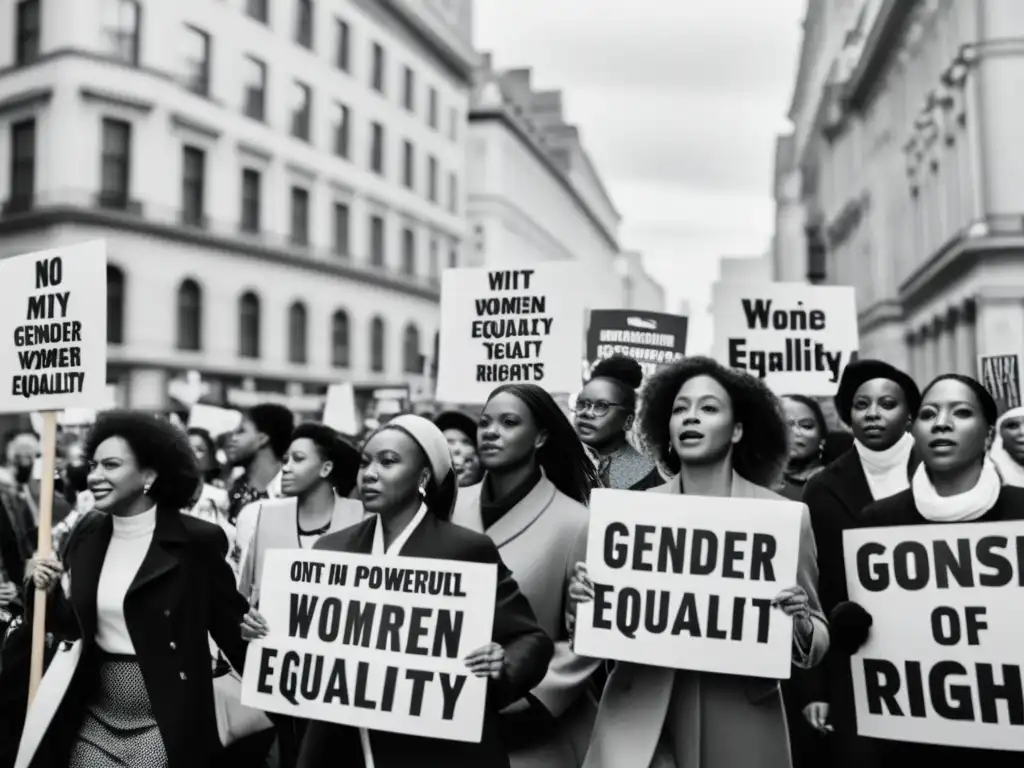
{"x":492,"y":509}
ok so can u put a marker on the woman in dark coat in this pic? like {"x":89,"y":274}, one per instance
{"x":877,"y":401}
{"x":956,"y":483}
{"x":407,"y":484}
{"x":144,"y":587}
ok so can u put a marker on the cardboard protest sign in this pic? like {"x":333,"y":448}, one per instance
{"x":53,"y":327}
{"x":1000,"y":375}
{"x":942,"y":661}
{"x":340,"y":409}
{"x":796,"y":337}
{"x":653,"y":339}
{"x":686,"y":582}
{"x":372,"y":642}
{"x":509,"y":325}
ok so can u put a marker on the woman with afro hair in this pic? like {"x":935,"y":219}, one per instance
{"x":723,"y":432}
{"x":604,"y":413}
{"x":144,"y":587}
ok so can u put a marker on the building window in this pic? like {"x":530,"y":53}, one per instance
{"x":408,"y":165}
{"x":377,"y":345}
{"x":435,"y":259}
{"x":453,"y":193}
{"x":297,"y":333}
{"x":115,"y":305}
{"x":115,"y":163}
{"x":432,"y":108}
{"x":249,"y":326}
{"x":342,"y":122}
{"x":197,"y":60}
{"x":411,"y":349}
{"x":302,"y":107}
{"x":190,"y":316}
{"x":408,"y":251}
{"x":409,"y":89}
{"x":453,"y":123}
{"x":341,"y":229}
{"x":304,"y":24}
{"x":300,"y":216}
{"x":121,"y":30}
{"x":342,"y":55}
{"x":23,"y":166}
{"x":257,"y":9}
{"x":193,"y":184}
{"x":26,"y":41}
{"x":453,"y":256}
{"x":377,"y":67}
{"x":250,"y":200}
{"x":255,"y":84}
{"x":339,"y":339}
{"x":376,"y":241}
{"x":377,"y":148}
{"x":432,"y":179}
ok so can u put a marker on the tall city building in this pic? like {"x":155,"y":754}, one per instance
{"x":534,"y":195}
{"x":279,"y":183}
{"x":919,"y":180}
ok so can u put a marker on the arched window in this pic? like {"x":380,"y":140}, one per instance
{"x":297,"y":333}
{"x":377,"y":345}
{"x":190,"y":316}
{"x":339,"y":339}
{"x":411,"y":356}
{"x":115,"y":305}
{"x":249,"y":325}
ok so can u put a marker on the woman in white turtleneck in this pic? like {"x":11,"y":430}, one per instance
{"x":877,"y":402}
{"x":144,"y":587}
{"x":1007,"y":451}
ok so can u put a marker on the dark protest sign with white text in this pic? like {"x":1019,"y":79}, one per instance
{"x":373,"y":642}
{"x":796,"y":337}
{"x":653,"y":339}
{"x":942,"y":664}
{"x":686,"y":582}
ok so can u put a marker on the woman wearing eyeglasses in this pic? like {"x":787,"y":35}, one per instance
{"x":605,"y":411}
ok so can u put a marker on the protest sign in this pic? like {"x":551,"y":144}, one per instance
{"x":54,"y":329}
{"x":509,"y":325}
{"x":942,"y":660}
{"x":686,"y":582}
{"x":796,"y":337}
{"x":653,"y":339}
{"x":340,"y":409}
{"x":1000,"y":374}
{"x":373,"y":643}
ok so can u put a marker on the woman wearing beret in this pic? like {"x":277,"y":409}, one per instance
{"x":877,"y":401}
{"x":956,"y":483}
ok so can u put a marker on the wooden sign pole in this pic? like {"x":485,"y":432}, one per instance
{"x":44,"y":548}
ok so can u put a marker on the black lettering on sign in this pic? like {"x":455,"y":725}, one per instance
{"x":511,"y":330}
{"x":948,"y":689}
{"x":49,"y":368}
{"x":992,"y":561}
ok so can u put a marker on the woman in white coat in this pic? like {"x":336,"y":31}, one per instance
{"x":531,"y":503}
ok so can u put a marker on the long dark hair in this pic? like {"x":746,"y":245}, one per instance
{"x":561,"y":457}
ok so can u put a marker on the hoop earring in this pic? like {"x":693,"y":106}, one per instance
{"x":146,"y":487}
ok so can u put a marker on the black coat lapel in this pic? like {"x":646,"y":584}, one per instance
{"x":424,"y":541}
{"x":852,"y":490}
{"x":164,"y":552}
{"x":85,"y":564}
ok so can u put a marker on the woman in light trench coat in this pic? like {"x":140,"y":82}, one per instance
{"x":531,"y":505}
{"x":724,"y":433}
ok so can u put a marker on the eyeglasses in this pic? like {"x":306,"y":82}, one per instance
{"x":597,"y":407}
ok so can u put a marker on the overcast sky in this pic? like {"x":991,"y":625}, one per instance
{"x":678,"y":103}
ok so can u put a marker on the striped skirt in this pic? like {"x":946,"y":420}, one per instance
{"x":119,"y":730}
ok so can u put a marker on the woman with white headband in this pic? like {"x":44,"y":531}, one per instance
{"x":408,"y":487}
{"x":1007,"y":451}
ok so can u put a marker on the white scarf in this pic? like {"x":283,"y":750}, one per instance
{"x":1011,"y":472}
{"x":961,"y":508}
{"x":886,"y":471}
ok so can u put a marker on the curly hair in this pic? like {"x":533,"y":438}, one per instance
{"x":158,"y":445}
{"x":332,"y":448}
{"x":561,"y":457}
{"x":761,"y":453}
